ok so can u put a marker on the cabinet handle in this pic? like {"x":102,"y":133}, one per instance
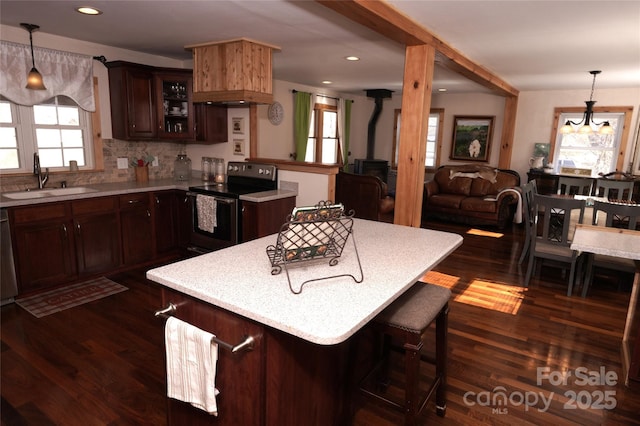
{"x":64,"y":231}
{"x":134,"y":201}
{"x":157,"y":200}
{"x":78,"y":228}
{"x":148,"y":213}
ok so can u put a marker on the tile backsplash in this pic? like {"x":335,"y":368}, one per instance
{"x":165,"y":152}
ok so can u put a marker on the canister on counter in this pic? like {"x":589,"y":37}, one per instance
{"x":206,"y":168}
{"x":182,"y":168}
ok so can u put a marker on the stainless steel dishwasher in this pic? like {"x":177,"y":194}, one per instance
{"x":8,"y":284}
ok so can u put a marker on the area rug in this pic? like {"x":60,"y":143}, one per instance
{"x":42,"y":304}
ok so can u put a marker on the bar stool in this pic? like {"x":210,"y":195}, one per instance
{"x":406,"y":320}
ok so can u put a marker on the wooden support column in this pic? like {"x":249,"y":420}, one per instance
{"x":508,"y":131}
{"x":253,"y":130}
{"x":416,"y":103}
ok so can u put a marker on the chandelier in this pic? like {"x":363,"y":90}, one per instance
{"x":604,"y":127}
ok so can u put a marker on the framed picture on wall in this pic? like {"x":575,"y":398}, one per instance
{"x":238,"y":146}
{"x":238,"y":125}
{"x":471,"y":138}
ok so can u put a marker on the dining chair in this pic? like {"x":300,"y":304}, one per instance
{"x":613,"y":215}
{"x":574,"y":185}
{"x":604,"y":187}
{"x":528,"y":191}
{"x":554,"y":242}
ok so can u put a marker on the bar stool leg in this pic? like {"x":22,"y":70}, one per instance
{"x":412,"y":349}
{"x":441,"y":360}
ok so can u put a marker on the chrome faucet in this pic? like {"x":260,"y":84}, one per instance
{"x":42,"y":180}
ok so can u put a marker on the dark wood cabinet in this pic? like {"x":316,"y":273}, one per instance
{"x":173,"y":104}
{"x":156,"y":103}
{"x":265,"y":218}
{"x":165,"y":221}
{"x":43,"y":245}
{"x":211,"y":123}
{"x":547,"y":183}
{"x":136,"y":228}
{"x":283,"y":380}
{"x":133,"y":106}
{"x":183,"y":219}
{"x":239,"y":377}
{"x":97,"y":240}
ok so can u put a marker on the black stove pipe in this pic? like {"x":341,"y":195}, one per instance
{"x":379,"y":95}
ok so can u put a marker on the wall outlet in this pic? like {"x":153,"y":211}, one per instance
{"x":123,"y":163}
{"x":155,"y":163}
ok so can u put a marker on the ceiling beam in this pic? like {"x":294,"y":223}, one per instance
{"x":393,"y":24}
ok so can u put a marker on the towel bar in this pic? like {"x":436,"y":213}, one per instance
{"x":245,"y":345}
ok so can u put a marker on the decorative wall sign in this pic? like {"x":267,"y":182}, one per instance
{"x":238,"y":146}
{"x":238,"y":125}
{"x":471,"y":138}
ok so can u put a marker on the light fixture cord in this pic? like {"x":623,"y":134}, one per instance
{"x":33,"y":59}
{"x":593,"y":85}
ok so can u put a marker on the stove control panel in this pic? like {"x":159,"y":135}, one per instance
{"x":252,"y":170}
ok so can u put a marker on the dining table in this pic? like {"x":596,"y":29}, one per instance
{"x":622,"y":243}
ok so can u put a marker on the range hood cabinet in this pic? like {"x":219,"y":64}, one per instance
{"x":233,"y":72}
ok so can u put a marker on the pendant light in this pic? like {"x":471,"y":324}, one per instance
{"x":34,"y":79}
{"x":587,"y":118}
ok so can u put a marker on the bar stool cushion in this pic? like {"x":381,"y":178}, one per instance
{"x":416,"y":308}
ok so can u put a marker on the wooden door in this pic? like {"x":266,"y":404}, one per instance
{"x":97,"y":237}
{"x":136,"y":228}
{"x":165,"y":221}
{"x":43,"y":243}
{"x":211,"y":123}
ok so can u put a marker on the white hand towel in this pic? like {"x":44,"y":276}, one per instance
{"x":207,"y":213}
{"x":191,"y":365}
{"x":517,"y":216}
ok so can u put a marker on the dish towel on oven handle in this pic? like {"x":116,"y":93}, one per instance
{"x":192,"y":356}
{"x":207,"y":213}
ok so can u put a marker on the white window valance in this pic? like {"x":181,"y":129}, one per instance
{"x":63,"y":73}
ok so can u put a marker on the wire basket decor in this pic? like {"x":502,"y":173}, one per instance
{"x":313,"y":233}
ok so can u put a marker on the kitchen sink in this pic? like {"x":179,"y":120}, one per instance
{"x":42,"y":193}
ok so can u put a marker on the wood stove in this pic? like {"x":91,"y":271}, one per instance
{"x":371,"y":166}
{"x":378,"y":168}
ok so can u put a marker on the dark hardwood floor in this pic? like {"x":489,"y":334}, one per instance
{"x":102,"y":363}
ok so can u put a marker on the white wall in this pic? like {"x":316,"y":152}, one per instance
{"x":277,"y":141}
{"x":534,"y":119}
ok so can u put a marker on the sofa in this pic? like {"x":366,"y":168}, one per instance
{"x":366,"y":195}
{"x":472,"y":194}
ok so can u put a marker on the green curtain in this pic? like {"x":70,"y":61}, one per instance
{"x":301,"y":123}
{"x":344,"y":138}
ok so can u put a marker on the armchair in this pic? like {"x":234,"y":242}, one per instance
{"x":366,"y":195}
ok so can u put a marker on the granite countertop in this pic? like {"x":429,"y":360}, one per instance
{"x":615,"y":242}
{"x":119,"y":188}
{"x":328,"y":311}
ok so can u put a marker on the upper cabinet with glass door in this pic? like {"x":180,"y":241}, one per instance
{"x":175,"y":110}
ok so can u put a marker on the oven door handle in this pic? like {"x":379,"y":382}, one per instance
{"x":218,"y":199}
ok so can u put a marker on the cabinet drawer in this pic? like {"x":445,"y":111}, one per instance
{"x":94,"y":205}
{"x":37,"y":213}
{"x":133,"y":201}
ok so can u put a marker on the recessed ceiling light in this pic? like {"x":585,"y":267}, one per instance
{"x":442,"y":89}
{"x":327,"y":82}
{"x":88,"y":10}
{"x":352,"y":58}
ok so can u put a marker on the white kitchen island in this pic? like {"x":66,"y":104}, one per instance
{"x":299,"y":371}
